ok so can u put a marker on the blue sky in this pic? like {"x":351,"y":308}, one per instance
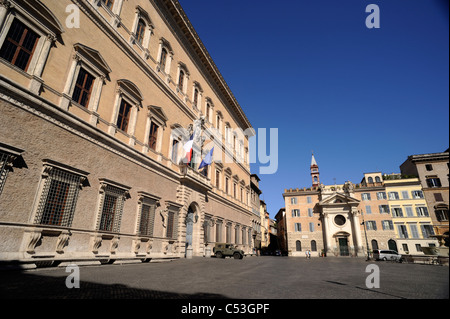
{"x":362,"y":99}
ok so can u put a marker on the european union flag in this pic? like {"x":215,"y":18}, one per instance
{"x":207,"y":160}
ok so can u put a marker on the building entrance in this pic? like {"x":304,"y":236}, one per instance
{"x":343,"y":247}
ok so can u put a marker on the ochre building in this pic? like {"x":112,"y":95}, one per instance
{"x":98,"y":100}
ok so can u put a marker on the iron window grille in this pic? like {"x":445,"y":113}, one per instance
{"x":4,"y":157}
{"x":111,"y":208}
{"x":147,"y":217}
{"x":58,"y":198}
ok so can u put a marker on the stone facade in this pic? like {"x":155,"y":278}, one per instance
{"x":92,"y":134}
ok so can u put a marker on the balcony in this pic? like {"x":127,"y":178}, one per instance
{"x":190,"y":175}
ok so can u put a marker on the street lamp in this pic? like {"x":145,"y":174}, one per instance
{"x":365,"y":233}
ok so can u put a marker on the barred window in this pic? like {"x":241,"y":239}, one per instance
{"x":171,"y":225}
{"x":147,"y":218}
{"x":111,"y":208}
{"x":4,"y":157}
{"x":58,"y":197}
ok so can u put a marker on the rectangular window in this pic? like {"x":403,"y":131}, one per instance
{"x":387,"y":225}
{"x":381,"y":195}
{"x":427,"y":230}
{"x":83,"y":88}
{"x":311,"y":227}
{"x":414,"y":231}
{"x":418,"y":248}
{"x":384,"y":209}
{"x":365,"y":196}
{"x":4,"y":157}
{"x":429,"y":167}
{"x":422,"y":211}
{"x":402,"y":231}
{"x":58,"y":199}
{"x":108,"y":212}
{"x":393,"y":196}
{"x":294,"y":200}
{"x":296,"y":213}
{"x":438,"y":197}
{"x":111,"y":209}
{"x":417,"y":194}
{"x":147,"y":221}
{"x":433,"y":182}
{"x":405,"y":248}
{"x":171,"y":225}
{"x":226,"y":185}
{"x":153,"y":136}
{"x":309,"y":200}
{"x":298,"y":227}
{"x":217,"y":179}
{"x":124,"y":116}
{"x":175,"y":151}
{"x":19,"y":45}
{"x":368,"y":210}
{"x":371,"y":225}
{"x":218,"y":232}
{"x":405,"y":194}
{"x":397,"y":212}
{"x":108,"y":3}
{"x":310,"y":212}
{"x":409,"y":211}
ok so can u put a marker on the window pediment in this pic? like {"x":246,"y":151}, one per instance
{"x":93,"y":56}
{"x":38,"y":10}
{"x":158,"y":113}
{"x":131,"y":89}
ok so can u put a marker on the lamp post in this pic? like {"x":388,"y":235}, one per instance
{"x":365,"y":234}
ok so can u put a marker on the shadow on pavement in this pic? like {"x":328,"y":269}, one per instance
{"x":22,"y":285}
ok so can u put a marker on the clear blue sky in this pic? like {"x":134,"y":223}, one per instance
{"x":362,"y":99}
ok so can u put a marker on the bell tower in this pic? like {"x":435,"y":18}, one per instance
{"x":314,"y":172}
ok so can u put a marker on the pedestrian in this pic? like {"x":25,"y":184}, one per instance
{"x":309,"y":254}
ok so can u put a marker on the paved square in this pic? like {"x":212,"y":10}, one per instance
{"x":250,"y":278}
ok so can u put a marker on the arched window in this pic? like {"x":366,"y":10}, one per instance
{"x":140,"y":31}
{"x":196,"y":93}
{"x":298,"y":245}
{"x":377,"y":179}
{"x":315,"y":178}
{"x":163,"y":59}
{"x":313,"y":245}
{"x":370,"y":180}
{"x":181,"y":81}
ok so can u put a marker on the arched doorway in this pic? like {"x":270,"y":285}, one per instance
{"x":192,"y":217}
{"x":392,"y":245}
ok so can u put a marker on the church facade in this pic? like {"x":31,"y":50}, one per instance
{"x":98,"y":100}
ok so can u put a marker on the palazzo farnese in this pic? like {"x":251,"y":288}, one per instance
{"x":93,"y":124}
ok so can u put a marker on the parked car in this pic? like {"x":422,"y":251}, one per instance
{"x":224,"y":250}
{"x":380,"y":254}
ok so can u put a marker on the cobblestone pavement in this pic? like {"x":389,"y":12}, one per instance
{"x":250,"y":278}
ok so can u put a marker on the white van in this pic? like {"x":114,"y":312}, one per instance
{"x":379,"y":254}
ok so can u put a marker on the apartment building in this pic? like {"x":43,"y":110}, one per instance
{"x":433,"y":172}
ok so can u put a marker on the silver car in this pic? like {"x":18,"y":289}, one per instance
{"x":380,"y":254}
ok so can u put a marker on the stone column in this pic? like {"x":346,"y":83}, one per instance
{"x":358,"y":237}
